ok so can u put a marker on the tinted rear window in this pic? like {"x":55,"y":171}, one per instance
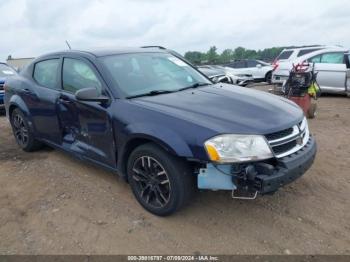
{"x":285,"y":55}
{"x":45,"y":73}
{"x":306,"y":51}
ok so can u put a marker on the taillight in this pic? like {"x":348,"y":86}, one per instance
{"x":275,"y":65}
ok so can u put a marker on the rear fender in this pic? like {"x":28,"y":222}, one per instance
{"x":17,"y":102}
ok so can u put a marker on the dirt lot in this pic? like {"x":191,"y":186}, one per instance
{"x":51,"y":203}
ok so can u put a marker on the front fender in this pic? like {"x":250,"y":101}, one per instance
{"x":161,"y":135}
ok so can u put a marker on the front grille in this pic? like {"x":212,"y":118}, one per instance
{"x":290,"y":140}
{"x":280,"y":134}
{"x":284,"y":147}
{"x":1,"y":86}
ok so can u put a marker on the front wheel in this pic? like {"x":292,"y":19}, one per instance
{"x":22,"y":132}
{"x":161,"y":182}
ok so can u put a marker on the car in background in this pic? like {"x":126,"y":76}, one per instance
{"x":215,"y":74}
{"x":259,"y":70}
{"x":5,"y":72}
{"x":331,"y":65}
{"x":218,"y":73}
{"x":290,"y":54}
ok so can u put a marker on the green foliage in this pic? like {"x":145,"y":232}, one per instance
{"x":227,"y":55}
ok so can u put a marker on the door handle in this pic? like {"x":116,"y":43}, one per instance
{"x":65,"y":100}
{"x":27,"y":91}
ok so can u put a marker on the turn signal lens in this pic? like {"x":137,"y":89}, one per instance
{"x":212,"y":153}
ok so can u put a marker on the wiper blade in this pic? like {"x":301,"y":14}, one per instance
{"x":152,"y":93}
{"x":195,"y":85}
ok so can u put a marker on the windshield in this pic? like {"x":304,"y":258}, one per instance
{"x":6,"y":71}
{"x":143,"y":73}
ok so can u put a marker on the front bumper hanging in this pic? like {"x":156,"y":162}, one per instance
{"x":261,"y":177}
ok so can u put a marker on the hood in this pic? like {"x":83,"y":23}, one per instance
{"x":2,"y":80}
{"x":227,"y":109}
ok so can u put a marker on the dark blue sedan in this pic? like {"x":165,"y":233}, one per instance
{"x":155,"y":120}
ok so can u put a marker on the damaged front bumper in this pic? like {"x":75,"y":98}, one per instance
{"x":262,"y":177}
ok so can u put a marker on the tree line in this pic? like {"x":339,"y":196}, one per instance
{"x":213,"y":57}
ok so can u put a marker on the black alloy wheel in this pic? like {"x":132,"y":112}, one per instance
{"x":160,"y":181}
{"x":22,"y":132}
{"x":152,"y":181}
{"x":20,"y":129}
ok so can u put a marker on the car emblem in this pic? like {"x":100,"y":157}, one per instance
{"x":299,"y":140}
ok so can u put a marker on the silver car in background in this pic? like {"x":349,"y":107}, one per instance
{"x":218,"y":73}
{"x":331,"y":64}
{"x":259,"y":70}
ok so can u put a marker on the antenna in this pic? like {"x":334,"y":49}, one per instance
{"x":68,"y":45}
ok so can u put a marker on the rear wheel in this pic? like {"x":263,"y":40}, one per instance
{"x":22,"y":132}
{"x":268,"y":77}
{"x":161,"y":183}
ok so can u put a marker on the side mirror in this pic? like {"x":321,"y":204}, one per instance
{"x":221,"y":79}
{"x":215,"y":79}
{"x":258,"y":65}
{"x":90,"y":95}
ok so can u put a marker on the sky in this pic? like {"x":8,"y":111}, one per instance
{"x":33,"y":27}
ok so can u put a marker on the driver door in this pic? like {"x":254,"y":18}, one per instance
{"x":86,"y":126}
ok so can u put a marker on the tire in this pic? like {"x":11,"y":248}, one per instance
{"x":311,"y":113}
{"x":268,"y":77}
{"x":161,"y":182}
{"x":22,"y":132}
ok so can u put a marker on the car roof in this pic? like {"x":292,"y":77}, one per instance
{"x":99,"y":52}
{"x":304,"y":47}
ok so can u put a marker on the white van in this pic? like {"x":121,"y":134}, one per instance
{"x":330,"y":63}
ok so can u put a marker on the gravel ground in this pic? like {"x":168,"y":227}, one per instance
{"x":51,"y":203}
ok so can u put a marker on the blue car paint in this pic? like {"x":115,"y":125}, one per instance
{"x":179,"y":122}
{"x":2,"y":82}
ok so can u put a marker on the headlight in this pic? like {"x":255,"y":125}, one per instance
{"x":237,"y":148}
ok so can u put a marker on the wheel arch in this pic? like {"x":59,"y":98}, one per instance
{"x":268,"y":72}
{"x":174,"y":146}
{"x":17,"y":102}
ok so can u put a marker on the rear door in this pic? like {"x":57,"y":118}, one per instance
{"x":40,"y":94}
{"x":347,"y":61}
{"x":87,"y":126}
{"x":331,"y":70}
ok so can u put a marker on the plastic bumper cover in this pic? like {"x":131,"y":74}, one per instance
{"x":268,"y":178}
{"x":289,"y":168}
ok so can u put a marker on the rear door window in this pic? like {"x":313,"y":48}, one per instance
{"x":332,"y":58}
{"x":46,"y":72}
{"x":284,"y":55}
{"x":307,"y":51}
{"x":315,"y":59}
{"x":240,"y":64}
{"x":252,"y":63}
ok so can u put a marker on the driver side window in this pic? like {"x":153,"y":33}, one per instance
{"x":77,"y":75}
